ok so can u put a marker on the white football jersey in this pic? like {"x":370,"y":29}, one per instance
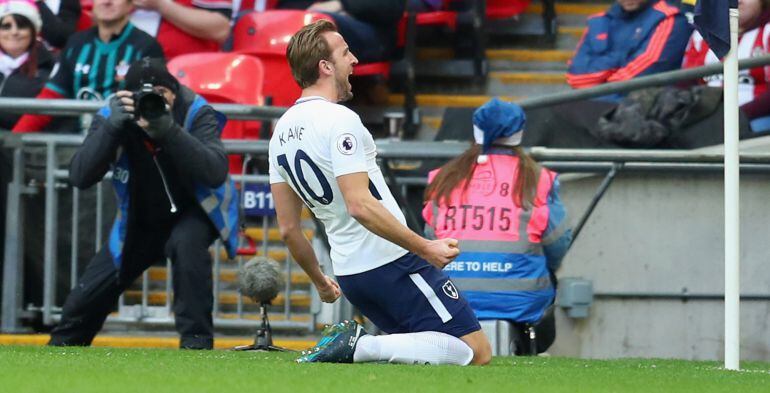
{"x":313,"y":143}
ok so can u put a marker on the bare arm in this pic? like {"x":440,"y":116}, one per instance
{"x":288,"y":207}
{"x":375,"y":217}
{"x":194,"y":21}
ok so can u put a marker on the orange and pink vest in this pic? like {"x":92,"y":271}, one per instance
{"x":501,"y":269}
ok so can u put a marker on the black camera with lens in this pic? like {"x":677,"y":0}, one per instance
{"x":148,"y":103}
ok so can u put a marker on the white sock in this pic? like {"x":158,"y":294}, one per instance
{"x":413,"y":348}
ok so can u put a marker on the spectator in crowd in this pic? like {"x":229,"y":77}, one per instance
{"x":369,"y":27}
{"x":505,"y":211}
{"x":24,"y":63}
{"x":174,"y":196}
{"x":24,"y":67}
{"x":185,"y":26}
{"x":94,"y":62}
{"x":633,"y":38}
{"x":60,"y":20}
{"x":242,"y":7}
{"x":754,"y":38}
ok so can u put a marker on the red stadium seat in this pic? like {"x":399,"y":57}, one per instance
{"x":266,"y":36}
{"x":434,"y":18}
{"x":85,"y":21}
{"x":224,"y":78}
{"x":502,"y":9}
{"x":369,"y":69}
{"x":269,"y":32}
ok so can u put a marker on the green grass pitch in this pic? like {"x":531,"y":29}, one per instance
{"x":82,"y":370}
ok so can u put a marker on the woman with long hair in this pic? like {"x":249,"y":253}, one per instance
{"x":505,"y":211}
{"x":24,"y":62}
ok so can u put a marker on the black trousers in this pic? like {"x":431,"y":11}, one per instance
{"x":98,"y":289}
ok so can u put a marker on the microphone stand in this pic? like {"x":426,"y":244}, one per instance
{"x":264,"y":338}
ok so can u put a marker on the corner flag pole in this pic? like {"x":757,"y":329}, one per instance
{"x":732,"y":201}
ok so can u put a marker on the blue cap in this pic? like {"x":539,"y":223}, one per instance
{"x":498,"y":119}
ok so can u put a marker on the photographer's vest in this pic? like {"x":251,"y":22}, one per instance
{"x":501,"y":269}
{"x":220,"y":204}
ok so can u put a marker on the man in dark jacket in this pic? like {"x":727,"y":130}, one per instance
{"x":174,"y":199}
{"x":369,"y":27}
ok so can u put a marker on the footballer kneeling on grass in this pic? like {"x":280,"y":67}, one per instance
{"x":322,"y":156}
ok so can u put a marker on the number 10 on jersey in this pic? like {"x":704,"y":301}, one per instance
{"x":297,"y":178}
{"x":301,"y":183}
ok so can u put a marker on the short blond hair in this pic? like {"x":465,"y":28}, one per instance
{"x":306,"y":48}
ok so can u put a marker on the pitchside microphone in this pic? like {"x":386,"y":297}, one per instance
{"x":261,"y":279}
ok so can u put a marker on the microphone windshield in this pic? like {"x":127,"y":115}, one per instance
{"x":261,"y":279}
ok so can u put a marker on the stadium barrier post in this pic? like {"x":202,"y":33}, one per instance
{"x":13,"y":269}
{"x":50,"y":242}
{"x":74,"y":237}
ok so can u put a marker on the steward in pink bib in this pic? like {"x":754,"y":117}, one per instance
{"x":506,"y":213}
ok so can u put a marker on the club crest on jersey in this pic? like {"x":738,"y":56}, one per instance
{"x":347,"y":144}
{"x":450,"y":290}
{"x":121,"y":70}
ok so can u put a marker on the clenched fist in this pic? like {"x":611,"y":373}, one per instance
{"x":329,"y":291}
{"x":440,"y":253}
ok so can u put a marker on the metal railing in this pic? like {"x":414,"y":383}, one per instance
{"x":565,"y":160}
{"x":152,"y":304}
{"x":668,"y":78}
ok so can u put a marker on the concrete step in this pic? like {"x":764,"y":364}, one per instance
{"x":506,"y":83}
{"x":511,"y":59}
{"x":274,"y":317}
{"x":158,"y":298}
{"x":533,"y":66}
{"x":543,"y":78}
{"x":566,"y":42}
{"x":251,"y":315}
{"x":526,"y":89}
{"x":228,"y":275}
{"x":530,"y":55}
{"x":569,"y":8}
{"x":574,"y":31}
{"x":279,"y":255}
{"x":446,"y":100}
{"x":273,"y":234}
{"x":531,"y":26}
{"x":518,"y":55}
{"x":433,"y":122}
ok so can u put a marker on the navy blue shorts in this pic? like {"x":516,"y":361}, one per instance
{"x":410,"y":295}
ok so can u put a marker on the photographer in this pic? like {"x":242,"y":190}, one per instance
{"x":175,"y":198}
